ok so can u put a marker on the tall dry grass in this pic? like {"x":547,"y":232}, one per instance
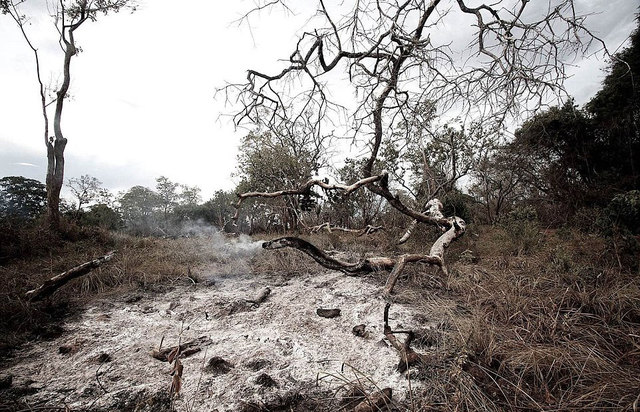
{"x":139,"y":263}
{"x":544,"y":321}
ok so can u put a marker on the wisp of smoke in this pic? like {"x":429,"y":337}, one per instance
{"x":221,"y":245}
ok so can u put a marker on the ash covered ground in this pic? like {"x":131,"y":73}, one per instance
{"x":279,"y":355}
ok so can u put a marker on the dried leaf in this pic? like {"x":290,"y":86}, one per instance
{"x":177,"y":368}
{"x":176,"y":384}
{"x":173,"y":354}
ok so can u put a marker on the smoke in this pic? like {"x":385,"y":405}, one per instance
{"x":224,"y":246}
{"x":242,"y":246}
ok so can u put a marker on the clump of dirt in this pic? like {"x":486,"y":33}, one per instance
{"x":218,"y":366}
{"x":266,"y":381}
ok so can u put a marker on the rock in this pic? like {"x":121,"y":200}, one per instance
{"x":69,"y":348}
{"x":103,"y":358}
{"x":132,"y":298}
{"x":328,"y":313}
{"x":359,"y":330}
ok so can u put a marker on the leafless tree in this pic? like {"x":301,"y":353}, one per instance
{"x":401,"y":55}
{"x":87,"y":189}
{"x":68,"y":16}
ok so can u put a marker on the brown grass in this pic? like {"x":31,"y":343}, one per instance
{"x":138,"y":263}
{"x":552,"y":327}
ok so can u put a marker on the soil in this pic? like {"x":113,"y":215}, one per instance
{"x":276,"y":355}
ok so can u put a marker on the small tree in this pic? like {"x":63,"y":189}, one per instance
{"x":167,"y":195}
{"x":270,"y":160}
{"x":87,"y":189}
{"x":139,"y":207}
{"x":189,"y":195}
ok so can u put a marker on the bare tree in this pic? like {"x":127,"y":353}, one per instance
{"x":68,"y":16}
{"x":399,"y":57}
{"x":87,"y":189}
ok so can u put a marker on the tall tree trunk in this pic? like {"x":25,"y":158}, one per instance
{"x":55,"y":148}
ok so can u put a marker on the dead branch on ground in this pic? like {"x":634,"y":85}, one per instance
{"x":374,"y":264}
{"x":51,"y":285}
{"x":260,"y":297}
{"x":183,"y":350}
{"x":408,"y":357}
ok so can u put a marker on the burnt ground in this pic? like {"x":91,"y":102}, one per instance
{"x":279,"y":355}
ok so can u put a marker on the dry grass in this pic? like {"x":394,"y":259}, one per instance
{"x":553,"y":327}
{"x":138,"y":263}
{"x":555,"y":330}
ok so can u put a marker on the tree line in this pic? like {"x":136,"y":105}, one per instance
{"x":567,"y":164}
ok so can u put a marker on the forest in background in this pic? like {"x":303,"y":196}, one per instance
{"x":567,"y":166}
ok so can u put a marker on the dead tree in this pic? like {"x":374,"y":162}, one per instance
{"x":68,"y":17}
{"x":399,"y":60}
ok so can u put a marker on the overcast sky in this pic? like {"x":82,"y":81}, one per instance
{"x":142,"y":93}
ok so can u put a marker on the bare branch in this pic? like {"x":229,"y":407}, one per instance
{"x":367,"y":230}
{"x":305,"y":190}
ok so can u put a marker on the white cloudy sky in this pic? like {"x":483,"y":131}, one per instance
{"x":143,"y":88}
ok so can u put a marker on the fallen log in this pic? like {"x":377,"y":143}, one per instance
{"x":367,"y":265}
{"x":367,"y":230}
{"x":51,"y":285}
{"x":372,"y":264}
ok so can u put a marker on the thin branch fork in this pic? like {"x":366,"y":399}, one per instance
{"x":408,"y":357}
